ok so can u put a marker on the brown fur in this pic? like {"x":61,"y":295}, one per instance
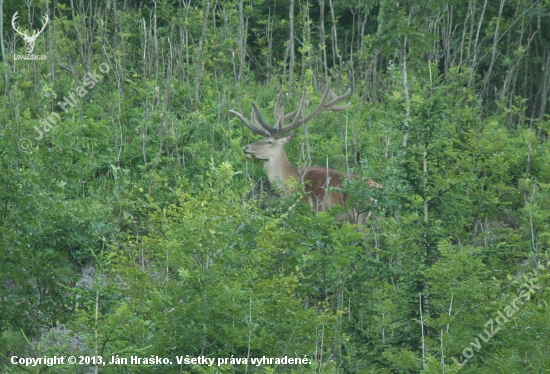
{"x":318,"y":181}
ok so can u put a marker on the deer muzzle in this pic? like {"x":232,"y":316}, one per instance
{"x":246,"y":150}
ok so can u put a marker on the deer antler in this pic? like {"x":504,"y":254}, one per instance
{"x":259,"y":126}
{"x":44,"y":23}
{"x":13,"y":19}
{"x":254,"y":126}
{"x":46,"y":20}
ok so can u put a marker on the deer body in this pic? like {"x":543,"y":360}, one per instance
{"x":279,"y":171}
{"x":320,"y":183}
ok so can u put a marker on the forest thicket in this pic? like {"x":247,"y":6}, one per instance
{"x":132,"y":224}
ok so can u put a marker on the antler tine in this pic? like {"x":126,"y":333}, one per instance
{"x":335,"y":99}
{"x":13,"y":19}
{"x":290,"y":115}
{"x":278,"y":112}
{"x":251,"y":125}
{"x":297,"y":114}
{"x":329,"y":106}
{"x":46,"y":19}
{"x":259,"y":120}
{"x":318,"y":110}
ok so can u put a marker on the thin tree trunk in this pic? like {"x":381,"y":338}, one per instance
{"x":487,"y":78}
{"x":291,"y":45}
{"x":3,"y":50}
{"x":335,"y":51}
{"x":422,"y":330}
{"x":241,"y":38}
{"x":198,"y":61}
{"x":269,"y":33}
{"x":322,"y":42}
{"x":474,"y":54}
{"x":155,"y":43}
{"x":406,"y":92}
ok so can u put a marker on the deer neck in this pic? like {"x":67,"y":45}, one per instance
{"x":279,"y":170}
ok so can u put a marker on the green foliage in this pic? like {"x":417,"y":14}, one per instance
{"x":136,"y":226}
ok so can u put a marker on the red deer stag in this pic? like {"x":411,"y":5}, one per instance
{"x":321,"y":184}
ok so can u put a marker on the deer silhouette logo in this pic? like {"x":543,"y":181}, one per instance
{"x":29,"y":39}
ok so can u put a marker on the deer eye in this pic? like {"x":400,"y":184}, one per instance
{"x":269,"y":142}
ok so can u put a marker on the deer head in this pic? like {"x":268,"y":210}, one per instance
{"x":29,"y":39}
{"x":322,"y":184}
{"x":270,"y":149}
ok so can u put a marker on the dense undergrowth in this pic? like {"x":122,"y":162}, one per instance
{"x":133,"y":225}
